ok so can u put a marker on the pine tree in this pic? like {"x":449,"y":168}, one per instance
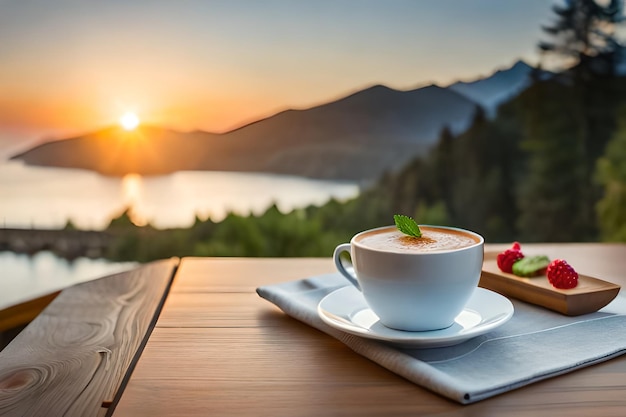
{"x":552,"y":195}
{"x":444,"y":169}
{"x":584,"y":42}
{"x":584,"y":36}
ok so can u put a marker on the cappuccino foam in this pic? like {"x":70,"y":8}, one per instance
{"x":432,"y":240}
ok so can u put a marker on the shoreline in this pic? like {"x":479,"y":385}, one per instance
{"x":68,"y":244}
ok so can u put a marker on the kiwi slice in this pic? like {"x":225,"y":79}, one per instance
{"x":531,"y":266}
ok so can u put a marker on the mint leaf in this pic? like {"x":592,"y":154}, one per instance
{"x":531,"y":266}
{"x":407,"y":225}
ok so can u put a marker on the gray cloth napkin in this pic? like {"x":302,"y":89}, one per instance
{"x":533,"y":345}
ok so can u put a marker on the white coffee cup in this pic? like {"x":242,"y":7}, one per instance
{"x":414,"y":284}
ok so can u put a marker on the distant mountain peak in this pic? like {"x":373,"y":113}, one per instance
{"x":520,"y":63}
{"x":380,"y":87}
{"x":500,"y":86}
{"x":431,"y":87}
{"x":519,"y":66}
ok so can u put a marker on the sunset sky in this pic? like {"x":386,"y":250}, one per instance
{"x":71,"y":66}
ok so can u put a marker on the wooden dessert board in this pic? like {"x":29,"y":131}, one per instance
{"x":591,"y":294}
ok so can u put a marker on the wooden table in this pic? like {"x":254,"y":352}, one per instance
{"x":74,"y":357}
{"x":219,"y":349}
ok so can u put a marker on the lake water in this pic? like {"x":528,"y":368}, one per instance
{"x":24,"y":277}
{"x":36,"y":197}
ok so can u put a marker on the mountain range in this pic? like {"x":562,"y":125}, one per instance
{"x":357,"y":137}
{"x":501,"y":86}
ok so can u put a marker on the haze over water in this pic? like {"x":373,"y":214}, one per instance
{"x":35,"y":197}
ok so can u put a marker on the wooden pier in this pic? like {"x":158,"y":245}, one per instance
{"x":66,"y":243}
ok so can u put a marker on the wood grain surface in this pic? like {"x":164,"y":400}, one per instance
{"x":25,"y":312}
{"x":72,"y":359}
{"x":220,"y":350}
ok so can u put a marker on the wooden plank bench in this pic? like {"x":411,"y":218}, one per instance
{"x":74,"y":357}
{"x":25,"y":312}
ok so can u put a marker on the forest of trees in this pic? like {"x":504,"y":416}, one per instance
{"x":550,"y":167}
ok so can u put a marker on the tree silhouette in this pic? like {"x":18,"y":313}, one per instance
{"x":584,"y":42}
{"x":552,"y":196}
{"x":584,"y":35}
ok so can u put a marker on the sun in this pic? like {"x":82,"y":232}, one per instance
{"x":129,"y":121}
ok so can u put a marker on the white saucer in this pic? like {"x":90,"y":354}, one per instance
{"x":345,"y":309}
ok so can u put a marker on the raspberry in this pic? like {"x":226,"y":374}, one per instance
{"x":507,"y":258}
{"x":561,"y":275}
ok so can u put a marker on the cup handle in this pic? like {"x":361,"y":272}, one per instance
{"x":345,"y":247}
